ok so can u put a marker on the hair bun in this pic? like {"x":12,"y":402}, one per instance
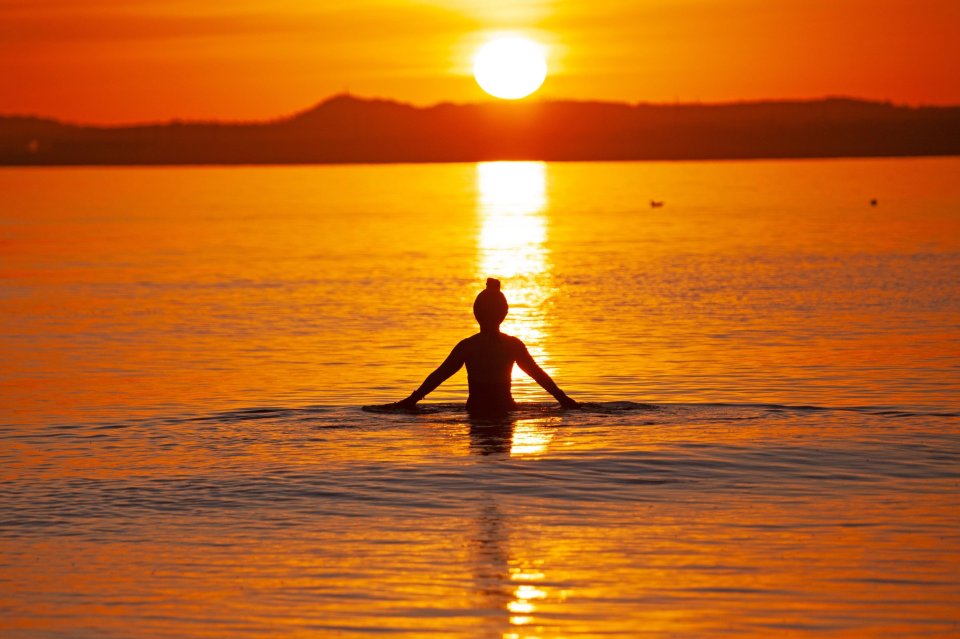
{"x":493,"y":284}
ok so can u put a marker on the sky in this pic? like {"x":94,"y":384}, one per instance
{"x":121,"y":61}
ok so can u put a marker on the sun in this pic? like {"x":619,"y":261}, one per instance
{"x":510,"y":67}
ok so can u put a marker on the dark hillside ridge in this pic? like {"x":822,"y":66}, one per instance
{"x":345,"y":129}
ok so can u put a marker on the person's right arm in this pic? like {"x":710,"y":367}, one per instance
{"x":451,"y":365}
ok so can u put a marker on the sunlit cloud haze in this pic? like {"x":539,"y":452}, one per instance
{"x":134,"y":60}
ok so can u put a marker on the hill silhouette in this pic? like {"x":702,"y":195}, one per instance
{"x":346,"y":129}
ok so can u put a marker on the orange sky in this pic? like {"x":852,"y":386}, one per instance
{"x":135,"y":60}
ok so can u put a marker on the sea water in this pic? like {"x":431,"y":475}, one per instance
{"x":770,"y":444}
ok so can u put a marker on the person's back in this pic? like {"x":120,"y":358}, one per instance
{"x":489,"y":357}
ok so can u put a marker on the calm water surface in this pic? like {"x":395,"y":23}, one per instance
{"x":772,"y":444}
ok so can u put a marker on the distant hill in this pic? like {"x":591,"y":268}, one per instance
{"x":346,"y":129}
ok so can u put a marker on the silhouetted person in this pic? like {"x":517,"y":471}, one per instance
{"x":489,"y":356}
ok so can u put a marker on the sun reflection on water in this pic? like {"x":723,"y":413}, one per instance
{"x":508,"y":571}
{"x":513,"y":248}
{"x":522,"y":606}
{"x":531,"y":437}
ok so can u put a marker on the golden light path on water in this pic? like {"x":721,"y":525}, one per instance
{"x":512,"y":246}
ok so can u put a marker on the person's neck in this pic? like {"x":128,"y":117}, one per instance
{"x":490,"y":330}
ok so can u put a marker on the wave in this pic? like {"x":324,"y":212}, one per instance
{"x":352,"y":415}
{"x":526,"y":410}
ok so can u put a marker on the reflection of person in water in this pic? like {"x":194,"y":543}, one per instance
{"x":489,"y":356}
{"x":491,"y":436}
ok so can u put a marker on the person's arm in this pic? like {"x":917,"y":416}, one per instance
{"x":451,"y":365}
{"x":531,"y":368}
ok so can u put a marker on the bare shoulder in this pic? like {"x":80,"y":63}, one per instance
{"x":468,"y":342}
{"x":515,"y":343}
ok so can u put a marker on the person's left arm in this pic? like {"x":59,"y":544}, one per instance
{"x":530,"y":367}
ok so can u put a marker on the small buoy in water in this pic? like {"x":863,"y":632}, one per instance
{"x":654,"y":204}
{"x":873,"y":201}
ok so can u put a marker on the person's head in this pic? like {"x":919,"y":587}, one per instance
{"x":490,"y":307}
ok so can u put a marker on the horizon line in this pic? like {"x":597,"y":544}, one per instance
{"x":491,"y":102}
